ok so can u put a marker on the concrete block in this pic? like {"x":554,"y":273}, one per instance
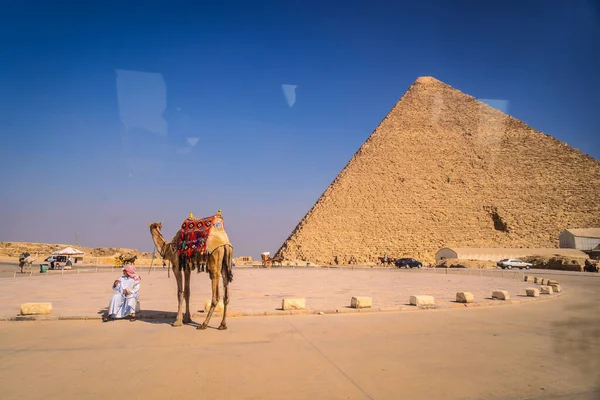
{"x":551,"y":282}
{"x":532,"y":292}
{"x":464,"y":297}
{"x":500,"y":295}
{"x":555,"y":288}
{"x":546,"y":290}
{"x":528,"y":278}
{"x":218,"y":308}
{"x":543,"y":281}
{"x":293,"y":304}
{"x":361,"y":302}
{"x":536,"y":279}
{"x":422,"y":300}
{"x":36,"y":308}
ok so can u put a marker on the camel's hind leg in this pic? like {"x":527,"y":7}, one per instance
{"x":214,"y":280}
{"x":187,"y":317}
{"x":227,"y":277}
{"x":223,"y":325}
{"x":215,"y":260}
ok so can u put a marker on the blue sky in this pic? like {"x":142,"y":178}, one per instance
{"x":114,"y":114}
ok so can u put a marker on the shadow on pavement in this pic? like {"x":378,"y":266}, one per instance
{"x":576,"y":338}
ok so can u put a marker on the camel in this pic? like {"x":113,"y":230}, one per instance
{"x":266,"y":260}
{"x":217,"y":260}
{"x":277,"y":259}
{"x":25,"y":260}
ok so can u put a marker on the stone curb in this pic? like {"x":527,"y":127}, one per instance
{"x":403,"y":308}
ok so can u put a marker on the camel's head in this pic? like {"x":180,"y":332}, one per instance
{"x":155,"y":226}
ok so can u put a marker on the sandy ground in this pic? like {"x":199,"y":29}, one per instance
{"x":540,"y":350}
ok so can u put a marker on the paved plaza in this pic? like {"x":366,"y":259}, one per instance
{"x":260,"y":291}
{"x":533,"y":350}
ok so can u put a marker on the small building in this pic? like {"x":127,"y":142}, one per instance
{"x":243,"y":260}
{"x":491,"y":254}
{"x":584,"y":239}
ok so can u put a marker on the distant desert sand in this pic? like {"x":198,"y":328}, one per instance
{"x":10,"y":251}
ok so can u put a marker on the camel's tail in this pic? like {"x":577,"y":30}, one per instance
{"x":226,"y":268}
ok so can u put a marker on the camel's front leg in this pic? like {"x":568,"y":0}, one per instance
{"x":178,"y":278}
{"x":214,"y":279}
{"x":187,"y":318}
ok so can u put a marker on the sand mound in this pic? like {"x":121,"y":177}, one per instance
{"x":556,"y":262}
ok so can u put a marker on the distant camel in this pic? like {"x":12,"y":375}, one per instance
{"x":25,"y":260}
{"x":267,"y":261}
{"x":277,"y":259}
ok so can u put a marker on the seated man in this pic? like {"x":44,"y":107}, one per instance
{"x":126,"y":296}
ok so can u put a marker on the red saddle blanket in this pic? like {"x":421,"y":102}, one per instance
{"x":194,"y":235}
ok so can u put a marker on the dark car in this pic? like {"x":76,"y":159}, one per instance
{"x":408,"y":263}
{"x":591,"y":267}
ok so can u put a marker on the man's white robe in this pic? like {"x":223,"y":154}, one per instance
{"x":122,"y":305}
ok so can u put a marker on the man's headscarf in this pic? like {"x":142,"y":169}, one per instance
{"x":130,"y":271}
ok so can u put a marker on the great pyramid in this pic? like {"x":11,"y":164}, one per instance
{"x":445,"y":170}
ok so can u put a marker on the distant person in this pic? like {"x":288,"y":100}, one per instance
{"x":385,"y":258}
{"x":126,"y":296}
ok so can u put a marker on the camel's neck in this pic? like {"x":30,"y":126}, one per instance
{"x":159,"y":242}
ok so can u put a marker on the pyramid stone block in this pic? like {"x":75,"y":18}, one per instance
{"x":361,"y":302}
{"x":218,"y":308}
{"x":555,"y":287}
{"x":422,"y":300}
{"x":532,"y":292}
{"x":293,"y":304}
{"x":464,"y":297}
{"x":500,"y":295}
{"x":36,"y":308}
{"x":546,"y":290}
{"x":443,"y":169}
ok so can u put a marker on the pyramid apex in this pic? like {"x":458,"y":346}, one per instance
{"x":427,"y":80}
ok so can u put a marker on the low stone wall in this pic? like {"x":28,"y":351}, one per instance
{"x":457,"y":263}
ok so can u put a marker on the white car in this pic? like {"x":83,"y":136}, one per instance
{"x":509,"y":263}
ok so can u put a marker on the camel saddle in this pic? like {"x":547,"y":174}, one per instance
{"x":201,"y":235}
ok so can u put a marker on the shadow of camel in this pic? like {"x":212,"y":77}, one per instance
{"x":155,"y":317}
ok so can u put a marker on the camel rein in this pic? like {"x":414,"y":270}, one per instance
{"x":152,"y":261}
